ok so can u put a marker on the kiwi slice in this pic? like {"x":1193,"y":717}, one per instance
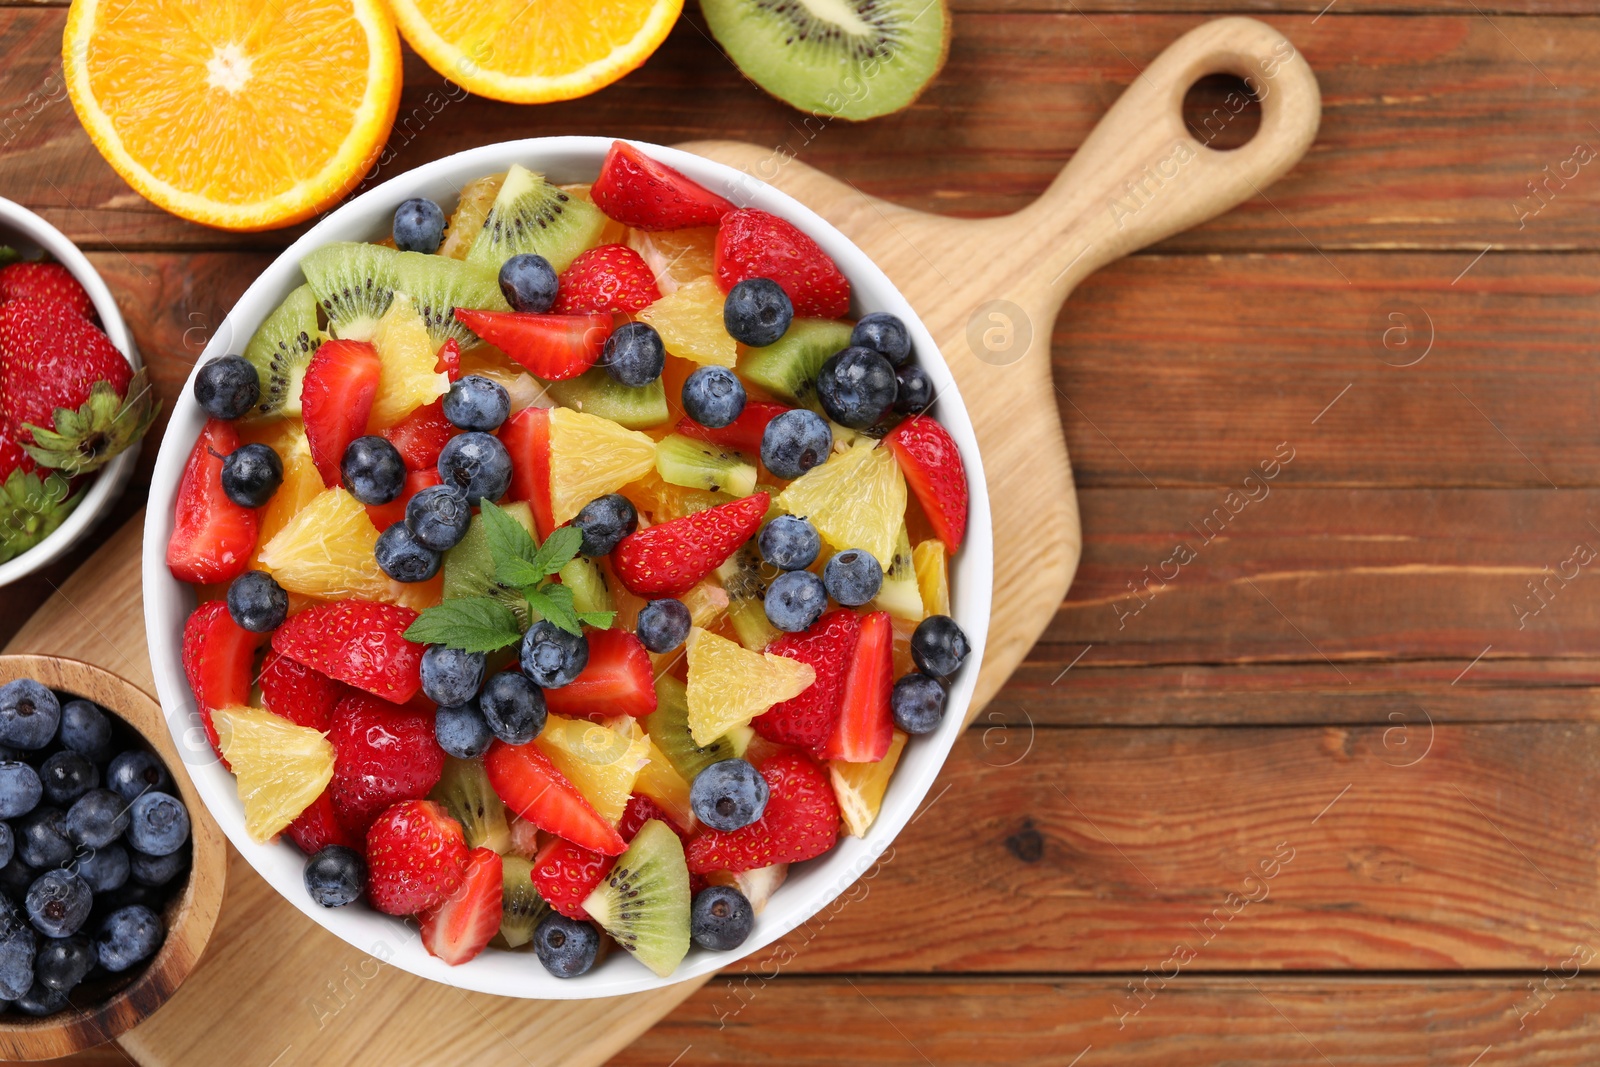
{"x":280,"y":350}
{"x":521,"y":907}
{"x":700,"y":465}
{"x":589,"y":590}
{"x":438,"y":285}
{"x":899,"y":595}
{"x":597,"y":393}
{"x":353,"y":283}
{"x":644,"y":902}
{"x":465,"y":792}
{"x":531,"y":215}
{"x":668,"y":727}
{"x":788,"y":368}
{"x":469,"y":567}
{"x":746,"y":586}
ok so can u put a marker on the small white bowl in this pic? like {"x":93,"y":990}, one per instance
{"x":25,"y":231}
{"x":168,"y":602}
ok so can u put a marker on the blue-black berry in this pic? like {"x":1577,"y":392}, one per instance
{"x":757,"y":312}
{"x":528,"y":282}
{"x":794,"y":442}
{"x":790,"y":543}
{"x":856,"y":387}
{"x":251,"y":474}
{"x":634,"y":354}
{"x":438,"y":517}
{"x":551,"y":656}
{"x":477,"y":464}
{"x":451,"y":676}
{"x":915,"y":390}
{"x":663,"y":625}
{"x":476,"y":403}
{"x":158,"y":824}
{"x":134,"y":772}
{"x":566,"y":947}
{"x":418,"y":225}
{"x":127,"y":936}
{"x":227,"y":387}
{"x":257,"y":602}
{"x":335,"y":876}
{"x":66,"y":776}
{"x":402,"y":557}
{"x":795,"y":600}
{"x":917,"y":703}
{"x":29,"y":714}
{"x":721,"y":918}
{"x":20,"y":789}
{"x":713,"y":396}
{"x":852,"y":577}
{"x":728,"y":795}
{"x":604,"y":522}
{"x":939,"y":646}
{"x":58,"y":903}
{"x":372,"y":470}
{"x":461,"y":730}
{"x":885,"y":334}
{"x":86,"y":730}
{"x":513,"y":707}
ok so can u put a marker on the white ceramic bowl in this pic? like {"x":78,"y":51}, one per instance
{"x":25,"y":231}
{"x":811,"y":885}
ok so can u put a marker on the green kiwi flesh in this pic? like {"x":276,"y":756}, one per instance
{"x":469,"y":567}
{"x":668,"y":727}
{"x":899,"y":595}
{"x":353,"y":283}
{"x":589,"y":590}
{"x":281,"y":349}
{"x":465,"y":792}
{"x":596,"y":393}
{"x":521,"y":907}
{"x":788,"y":367}
{"x":699,"y":465}
{"x":531,"y":215}
{"x":746,"y":587}
{"x":438,"y":285}
{"x":644,"y":902}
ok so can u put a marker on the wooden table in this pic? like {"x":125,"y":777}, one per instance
{"x":1317,"y":789}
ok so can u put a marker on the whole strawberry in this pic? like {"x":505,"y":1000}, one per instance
{"x":756,"y":244}
{"x":48,"y":282}
{"x":416,"y":857}
{"x":382,"y":754}
{"x":608,"y":278}
{"x":801,"y":821}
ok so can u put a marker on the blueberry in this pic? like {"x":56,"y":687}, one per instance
{"x":918,"y":703}
{"x":663,"y":625}
{"x":58,"y":903}
{"x":158,"y":824}
{"x":85,"y":729}
{"x":852,"y":577}
{"x":20,"y":789}
{"x":42,"y":839}
{"x":438,"y":517}
{"x":634,"y":354}
{"x":103,"y":869}
{"x":728,"y":794}
{"x":134,"y":772}
{"x":477,"y":464}
{"x":127,"y":936}
{"x":604,"y":522}
{"x":257,"y":602}
{"x":29,"y":714}
{"x":15,"y":878}
{"x":8,"y":843}
{"x":61,"y":963}
{"x":915,"y":390}
{"x":251,"y":474}
{"x":461,"y":730}
{"x":418,"y":225}
{"x":795,"y":600}
{"x":885,"y":334}
{"x":41,"y":1000}
{"x":551,"y":656}
{"x":528,"y":282}
{"x":713,"y":396}
{"x":794,"y":442}
{"x":147,"y":870}
{"x":513,"y":707}
{"x":449,"y":675}
{"x":856,"y":387}
{"x":477,"y":403}
{"x":335,"y":876}
{"x":97,"y":818}
{"x":18,"y":943}
{"x":66,"y":776}
{"x":372,"y":470}
{"x":566,"y":947}
{"x":227,"y":387}
{"x":757,"y":312}
{"x":790,"y":543}
{"x":938,"y":646}
{"x":402,"y":557}
{"x":721,"y":918}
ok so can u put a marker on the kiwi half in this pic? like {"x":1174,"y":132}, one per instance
{"x":465,"y":792}
{"x":438,"y":285}
{"x":900,"y":595}
{"x":700,"y":465}
{"x":788,"y":367}
{"x":353,"y":283}
{"x":596,"y":393}
{"x":521,"y":907}
{"x":589,"y":590}
{"x":531,"y":215}
{"x":849,"y":59}
{"x":741,"y":577}
{"x":469,"y":569}
{"x":644,"y":902}
{"x":668,"y":727}
{"x":280,"y":351}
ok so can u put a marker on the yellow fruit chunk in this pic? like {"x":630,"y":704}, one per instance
{"x":757,"y":885}
{"x":278,"y":767}
{"x":326,"y":551}
{"x":590,"y":457}
{"x":664,"y":785}
{"x":676,"y":257}
{"x":857,"y":499}
{"x":472,"y":207}
{"x":408,"y":380}
{"x":301,"y":484}
{"x":859,"y":787}
{"x":231,"y":113}
{"x":600,"y":762}
{"x":932,"y":577}
{"x":707,"y":602}
{"x":729,"y":685}
{"x":689,"y":321}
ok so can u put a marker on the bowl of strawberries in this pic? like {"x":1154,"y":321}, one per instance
{"x":576,"y":577}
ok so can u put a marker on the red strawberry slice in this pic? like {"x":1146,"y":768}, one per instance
{"x":618,"y":680}
{"x":384,"y":516}
{"x":565,"y":874}
{"x":318,"y":826}
{"x":460,"y":928}
{"x":553,"y":347}
{"x":359,"y":643}
{"x":932,"y":465}
{"x":648,"y":195}
{"x":212,"y":537}
{"x":382,"y":754}
{"x":50,"y":282}
{"x":801,"y":822}
{"x":607,"y":278}
{"x":218,"y":660}
{"x":808,"y":719}
{"x":449,"y":361}
{"x":755,"y":244}
{"x":526,"y":436}
{"x":421,"y":436}
{"x":53,"y":358}
{"x":667,"y":559}
{"x":340,"y":385}
{"x":866,"y":724}
{"x":743,"y":433}
{"x":531,"y":786}
{"x":640,"y":810}
{"x":12,"y":456}
{"x":297,"y":692}
{"x":416,"y":857}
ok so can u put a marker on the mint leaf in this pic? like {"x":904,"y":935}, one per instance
{"x":472,"y":624}
{"x":554,"y":602}
{"x":558,"y":550}
{"x":600,"y":620}
{"x":518,"y":572}
{"x":506,"y":536}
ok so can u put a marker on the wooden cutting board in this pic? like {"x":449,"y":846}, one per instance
{"x":274,"y":989}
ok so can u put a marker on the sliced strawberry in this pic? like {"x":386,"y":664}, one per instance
{"x":384,"y":516}
{"x":743,"y":433}
{"x":640,"y":810}
{"x":808,"y":719}
{"x":618,"y":680}
{"x":755,"y":244}
{"x":669,"y":558}
{"x":11,"y":457}
{"x":648,"y":195}
{"x":212,"y":537}
{"x":219,"y":661}
{"x":866,"y":724}
{"x":607,"y":278}
{"x":460,"y":927}
{"x":565,"y":874}
{"x":421,"y":436}
{"x":318,"y":826}
{"x":340,"y":385}
{"x":531,"y":786}
{"x":553,"y":347}
{"x":382,"y":754}
{"x":416,"y":857}
{"x":449,"y":361}
{"x":298,"y":693}
{"x":932,"y":465}
{"x":801,"y":822}
{"x":526,"y":436}
{"x":44,"y":281}
{"x":358,"y":643}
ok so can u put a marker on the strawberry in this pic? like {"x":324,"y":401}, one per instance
{"x":564,"y":874}
{"x":531,"y":786}
{"x":449,"y":361}
{"x":640,"y":192}
{"x":866,"y":725}
{"x":669,"y":558}
{"x":384,"y":516}
{"x":218,"y":660}
{"x":808,"y":719}
{"x":47,"y":282}
{"x":618,"y":680}
{"x":553,"y":347}
{"x":932,"y":465}
{"x":640,"y":810}
{"x":460,"y":927}
{"x":755,"y":244}
{"x":359,"y":643}
{"x":297,"y":692}
{"x":743,"y":433}
{"x":11,"y":457}
{"x":335,"y":400}
{"x":416,"y":857}
{"x":421,"y":436}
{"x":607,"y":278}
{"x":382,"y":754}
{"x":526,"y":436}
{"x":801,"y":821}
{"x":212,"y":537}
{"x":318,"y":826}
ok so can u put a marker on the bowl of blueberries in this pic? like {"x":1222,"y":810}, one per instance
{"x":111,"y":874}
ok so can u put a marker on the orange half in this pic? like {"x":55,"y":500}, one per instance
{"x":527,"y":52}
{"x":235,"y":113}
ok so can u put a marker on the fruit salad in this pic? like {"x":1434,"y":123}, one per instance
{"x":569,"y":565}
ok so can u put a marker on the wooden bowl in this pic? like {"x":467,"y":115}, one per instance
{"x":190,"y":916}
